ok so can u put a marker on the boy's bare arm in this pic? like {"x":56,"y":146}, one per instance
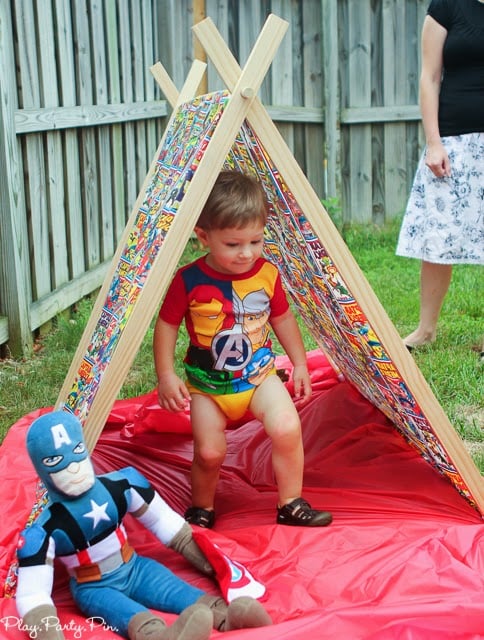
{"x":289,"y":335}
{"x":172,"y":392}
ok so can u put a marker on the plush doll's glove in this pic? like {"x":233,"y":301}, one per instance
{"x":43,"y":623}
{"x":184,"y":543}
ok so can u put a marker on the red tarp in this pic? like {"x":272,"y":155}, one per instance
{"x":402,"y":560}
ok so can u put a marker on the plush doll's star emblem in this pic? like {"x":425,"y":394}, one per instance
{"x":98,"y":513}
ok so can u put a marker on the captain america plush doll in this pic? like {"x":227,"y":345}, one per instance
{"x":82,"y":525}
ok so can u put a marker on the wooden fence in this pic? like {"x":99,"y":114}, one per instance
{"x":81,"y":117}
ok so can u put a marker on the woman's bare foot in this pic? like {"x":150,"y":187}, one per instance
{"x":418,"y":338}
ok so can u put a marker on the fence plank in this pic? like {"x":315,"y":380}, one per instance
{"x":131,"y":185}
{"x":422,"y":6}
{"x":219,"y":13}
{"x":54,"y":155}
{"x":248,"y":30}
{"x":176,"y":40}
{"x":76,"y":117}
{"x":36,"y":183}
{"x":282,"y":70}
{"x":331,"y":96}
{"x":73,"y":204}
{"x":120,"y":206}
{"x":412,"y":129}
{"x":313,"y":91}
{"x":15,"y":292}
{"x":376,"y":114}
{"x":148,"y":26}
{"x":295,"y":19}
{"x":89,"y":160}
{"x":138,"y":88}
{"x":103,"y":139}
{"x":378,"y":131}
{"x":394,"y":83}
{"x":357,"y":151}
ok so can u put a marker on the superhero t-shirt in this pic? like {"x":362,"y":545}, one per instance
{"x":227,"y":318}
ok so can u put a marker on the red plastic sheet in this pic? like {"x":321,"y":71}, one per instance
{"x":402,"y":560}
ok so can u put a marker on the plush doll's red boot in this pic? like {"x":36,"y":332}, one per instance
{"x":242,"y":613}
{"x":194,"y":623}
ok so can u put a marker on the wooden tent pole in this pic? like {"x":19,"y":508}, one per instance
{"x":199,"y":14}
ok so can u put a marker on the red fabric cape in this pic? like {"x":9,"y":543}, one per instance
{"x":402,"y":560}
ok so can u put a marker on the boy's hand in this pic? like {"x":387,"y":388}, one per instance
{"x":302,"y":383}
{"x":172,"y":393}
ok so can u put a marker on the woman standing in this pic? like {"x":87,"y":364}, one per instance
{"x":444,"y":221}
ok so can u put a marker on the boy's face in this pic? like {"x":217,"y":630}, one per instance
{"x":233,"y":250}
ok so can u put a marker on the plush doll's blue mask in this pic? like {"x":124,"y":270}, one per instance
{"x":55,"y":444}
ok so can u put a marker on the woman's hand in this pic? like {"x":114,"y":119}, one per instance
{"x":437,"y":160}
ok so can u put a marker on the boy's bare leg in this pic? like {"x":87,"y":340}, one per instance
{"x":274,"y":407}
{"x":209,"y":449}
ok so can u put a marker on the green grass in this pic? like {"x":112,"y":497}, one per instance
{"x":449,"y":365}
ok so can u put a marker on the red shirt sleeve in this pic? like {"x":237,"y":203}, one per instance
{"x":279,"y":303}
{"x":175,"y":303}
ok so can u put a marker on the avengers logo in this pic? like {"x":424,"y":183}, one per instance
{"x":231,"y":351}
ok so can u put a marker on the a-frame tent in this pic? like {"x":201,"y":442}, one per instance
{"x":232,"y":128}
{"x":327,"y":286}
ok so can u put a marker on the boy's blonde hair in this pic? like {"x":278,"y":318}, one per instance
{"x":235,"y":201}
